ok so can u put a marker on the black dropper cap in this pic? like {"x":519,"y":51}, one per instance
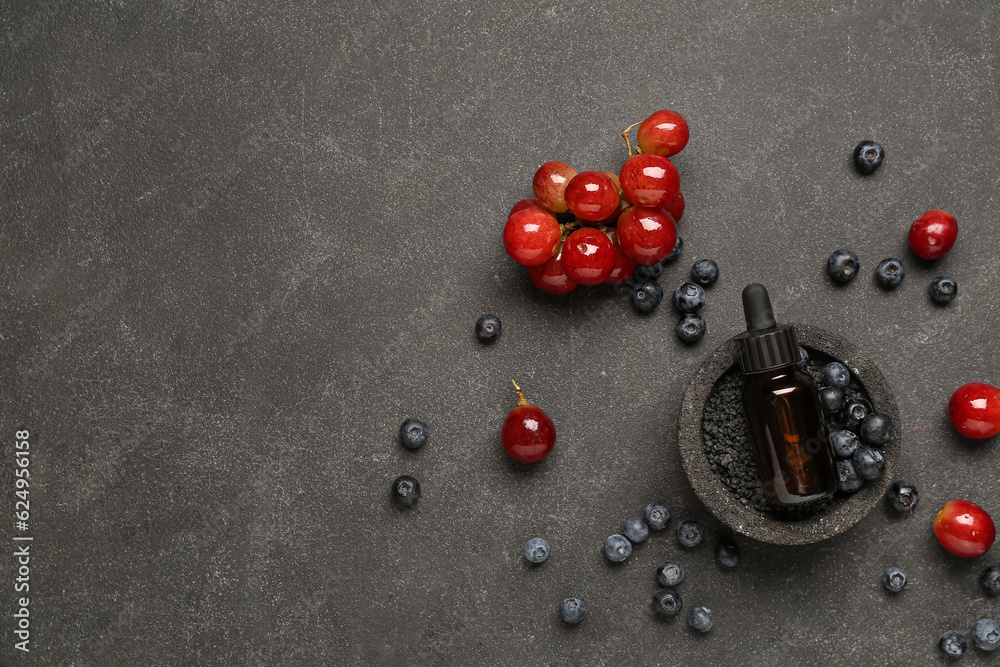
{"x":766,"y":344}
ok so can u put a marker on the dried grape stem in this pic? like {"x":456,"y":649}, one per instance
{"x":521,"y":400}
{"x":628,"y":143}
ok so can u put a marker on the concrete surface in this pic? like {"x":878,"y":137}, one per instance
{"x":243,"y":241}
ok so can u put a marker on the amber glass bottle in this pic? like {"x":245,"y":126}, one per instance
{"x":795,"y":463}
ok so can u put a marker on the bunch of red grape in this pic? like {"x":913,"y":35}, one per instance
{"x":595,"y":227}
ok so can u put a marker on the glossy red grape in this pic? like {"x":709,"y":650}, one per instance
{"x":530,"y":202}
{"x":551,"y":277}
{"x":612,"y":219}
{"x":591,"y":196}
{"x":974,"y":410}
{"x":675,"y":207}
{"x":647,"y":234}
{"x":663,"y":133}
{"x":528,"y":434}
{"x":624,"y":267}
{"x":588,"y":256}
{"x":964,"y":529}
{"x":651,"y":180}
{"x":549,"y":185}
{"x":933,"y":234}
{"x":530,"y":236}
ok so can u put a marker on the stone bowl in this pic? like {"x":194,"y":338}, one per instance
{"x":844,"y":511}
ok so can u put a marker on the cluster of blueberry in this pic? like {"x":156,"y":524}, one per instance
{"x":856,"y":446}
{"x":666,"y":600}
{"x":413,"y":433}
{"x":688,"y":297}
{"x":903,"y":497}
{"x":985,"y":635}
{"x":931,"y":237}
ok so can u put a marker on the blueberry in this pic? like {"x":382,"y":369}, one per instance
{"x":572,"y":610}
{"x":868,"y":156}
{"x":689,"y":533}
{"x":646,"y":296}
{"x":690,"y":328}
{"x":536,"y":550}
{"x":894,"y":579}
{"x":990,"y":579}
{"x":657,"y":515}
{"x":617,"y":548}
{"x":844,"y":443}
{"x":689,"y":297}
{"x":636,"y":529}
{"x":405,"y":490}
{"x":835,"y":374}
{"x":487,"y":328}
{"x":842,"y":266}
{"x":890,"y":272}
{"x":986,"y":635}
{"x":667,"y":602}
{"x":414,"y":433}
{"x":943,"y":289}
{"x":903,"y":497}
{"x":855,"y":411}
{"x":869,"y":462}
{"x":700,"y":619}
{"x":803,"y":357}
{"x":876,"y":429}
{"x":727,"y":554}
{"x":831,"y":399}
{"x":670,"y":573}
{"x":677,"y":251}
{"x":705,"y":272}
{"x":850,"y":480}
{"x":647,"y":273}
{"x":953,"y":643}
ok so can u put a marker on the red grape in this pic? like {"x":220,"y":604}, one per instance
{"x":588,"y":256}
{"x":591,"y":196}
{"x":551,"y":277}
{"x":549,"y":185}
{"x":933,"y":234}
{"x":974,"y":410}
{"x":651,"y":180}
{"x":663,"y":133}
{"x":530,"y":236}
{"x":528,"y":434}
{"x":624,"y":267}
{"x":647,"y":234}
{"x":964,"y":529}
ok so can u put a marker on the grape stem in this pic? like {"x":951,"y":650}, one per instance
{"x":568,"y":227}
{"x":521,"y":400}
{"x":628,"y":143}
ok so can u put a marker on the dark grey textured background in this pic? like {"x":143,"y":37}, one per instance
{"x":243,"y":241}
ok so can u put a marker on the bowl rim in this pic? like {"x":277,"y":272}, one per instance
{"x":721,"y":501}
